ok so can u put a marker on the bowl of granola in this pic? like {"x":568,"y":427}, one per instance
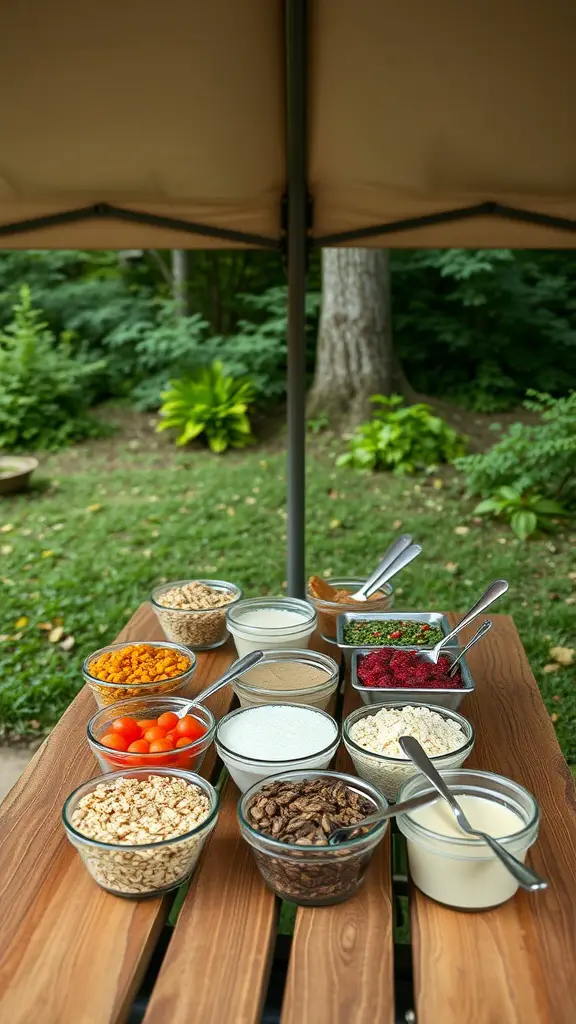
{"x":193,"y":612}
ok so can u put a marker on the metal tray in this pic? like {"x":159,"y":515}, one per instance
{"x":447,"y":698}
{"x":432,"y":618}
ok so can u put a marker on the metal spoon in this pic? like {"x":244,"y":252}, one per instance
{"x":392,"y":553}
{"x":486,"y":625}
{"x":342,"y":833}
{"x":491,"y":594}
{"x":407,"y":556}
{"x":524,"y":875}
{"x":248,"y":661}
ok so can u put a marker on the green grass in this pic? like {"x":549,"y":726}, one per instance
{"x":88,"y":549}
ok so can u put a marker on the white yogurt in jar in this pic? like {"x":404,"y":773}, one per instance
{"x":463,"y":874}
{"x":269,"y":623}
{"x":256,"y":742}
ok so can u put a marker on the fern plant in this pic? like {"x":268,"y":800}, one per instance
{"x":211,"y":404}
{"x":401,"y":438}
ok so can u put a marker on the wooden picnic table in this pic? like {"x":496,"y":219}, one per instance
{"x":72,"y":954}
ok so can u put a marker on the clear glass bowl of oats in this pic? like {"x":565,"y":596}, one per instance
{"x":193,"y":612}
{"x":140,"y":832}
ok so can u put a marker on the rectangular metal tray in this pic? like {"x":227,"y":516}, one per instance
{"x":443,"y":698}
{"x":432,"y":618}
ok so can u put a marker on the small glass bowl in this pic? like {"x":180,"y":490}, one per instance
{"x":317,"y":696}
{"x":250,"y":637}
{"x":106,"y":693}
{"x":199,"y":629}
{"x":188,"y":758}
{"x":387,"y":773}
{"x":464,"y":872}
{"x":313,"y":876}
{"x":246,"y":771}
{"x":149,"y":869}
{"x":328,"y":611}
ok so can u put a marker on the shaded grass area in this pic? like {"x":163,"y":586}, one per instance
{"x":83,"y":551}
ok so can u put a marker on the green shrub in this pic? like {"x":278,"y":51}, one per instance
{"x":210,"y":404}
{"x":402,"y":438}
{"x":538,"y":458}
{"x":44,"y":390}
{"x":525,"y":513}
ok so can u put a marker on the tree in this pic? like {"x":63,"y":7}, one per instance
{"x":355,"y":357}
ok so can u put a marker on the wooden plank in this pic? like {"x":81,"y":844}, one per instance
{"x":68,"y":950}
{"x":225,"y":932}
{"x":341,"y":965}
{"x":516,"y":963}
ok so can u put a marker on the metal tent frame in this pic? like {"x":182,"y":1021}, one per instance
{"x":296,"y":244}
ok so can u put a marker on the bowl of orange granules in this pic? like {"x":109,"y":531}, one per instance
{"x":138,"y":670}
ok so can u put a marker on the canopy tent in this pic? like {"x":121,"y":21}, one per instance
{"x":259,"y":123}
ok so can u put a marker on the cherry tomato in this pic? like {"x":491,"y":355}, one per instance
{"x":171,"y":736}
{"x":139,"y":747}
{"x":154,"y":733}
{"x":168,"y":720}
{"x":128,"y":728}
{"x":183,"y":741}
{"x":114,"y":741}
{"x":190,"y":727}
{"x":160,"y":746}
{"x":147,"y":723}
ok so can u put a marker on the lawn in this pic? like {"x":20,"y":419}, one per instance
{"x":81,"y":551}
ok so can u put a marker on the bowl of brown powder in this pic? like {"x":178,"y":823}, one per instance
{"x":193,"y":612}
{"x":286,"y":676}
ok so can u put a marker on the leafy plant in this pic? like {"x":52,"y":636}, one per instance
{"x":402,"y":438}
{"x":212,"y":404}
{"x":540,"y":457}
{"x":526,"y":513}
{"x":45,"y":391}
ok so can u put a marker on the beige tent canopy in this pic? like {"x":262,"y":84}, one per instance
{"x":196,"y":123}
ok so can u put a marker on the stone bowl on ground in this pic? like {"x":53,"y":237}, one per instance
{"x":15,"y":472}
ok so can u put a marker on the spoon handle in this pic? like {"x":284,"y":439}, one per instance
{"x":491,"y":594}
{"x":403,"y":559}
{"x":412,"y":804}
{"x":477,"y":636}
{"x":524,"y":875}
{"x":248,"y":661}
{"x":394,"y":550}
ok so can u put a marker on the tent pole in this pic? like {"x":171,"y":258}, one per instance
{"x":296,"y":256}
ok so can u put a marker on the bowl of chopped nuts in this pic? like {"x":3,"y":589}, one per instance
{"x":193,"y":612}
{"x":138,"y":669}
{"x":371,"y":733}
{"x":139,"y":855}
{"x":287,"y":819}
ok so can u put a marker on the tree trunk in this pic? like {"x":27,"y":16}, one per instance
{"x":180,"y":281}
{"x":355,"y":357}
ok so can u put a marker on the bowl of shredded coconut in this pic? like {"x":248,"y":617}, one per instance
{"x":193,"y":612}
{"x":371,"y":735}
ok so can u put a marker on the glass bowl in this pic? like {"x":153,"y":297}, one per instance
{"x":148,"y":869}
{"x":313,"y":876}
{"x":387,"y":773}
{"x":464,"y":872}
{"x":328,"y":611}
{"x":200,"y":629}
{"x":188,"y":758}
{"x":249,"y":636}
{"x":318,"y":696}
{"x":106,"y":693}
{"x":246,"y":771}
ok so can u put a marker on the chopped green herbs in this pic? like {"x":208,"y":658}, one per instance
{"x":392,"y":633}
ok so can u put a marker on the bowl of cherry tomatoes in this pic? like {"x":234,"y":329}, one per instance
{"x":151,"y":732}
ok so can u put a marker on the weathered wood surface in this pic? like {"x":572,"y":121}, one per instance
{"x":514,"y":964}
{"x":68,"y":950}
